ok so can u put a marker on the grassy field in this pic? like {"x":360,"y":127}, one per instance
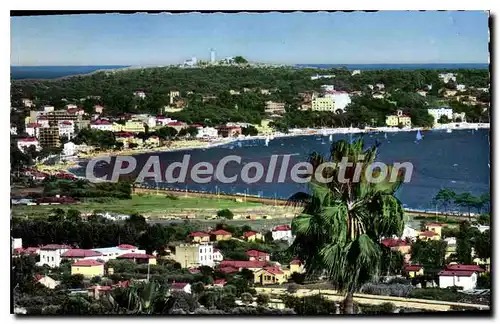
{"x":159,"y":206}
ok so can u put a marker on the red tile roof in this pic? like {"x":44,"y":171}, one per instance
{"x":100,"y":288}
{"x":428,"y":234}
{"x":221,"y":232}
{"x":391,"y":242}
{"x":199,"y":234}
{"x":101,"y":122}
{"x":465,"y":267}
{"x":87,"y":263}
{"x":413,"y":267}
{"x":448,"y":273}
{"x":39,"y":277}
{"x":257,"y":253}
{"x":127,"y":247}
{"x":175,"y":124}
{"x":248,"y":234}
{"x":228,"y":269}
{"x":242,"y":264}
{"x":33,"y":125}
{"x":192,"y":270}
{"x":135,"y":256}
{"x":282,"y":228}
{"x":80,"y":253}
{"x":66,"y":122}
{"x":220,"y":282}
{"x":28,"y":139}
{"x":55,"y":247}
{"x":296,"y":261}
{"x":178,"y":285}
{"x":433,"y":224}
{"x":274,"y":271}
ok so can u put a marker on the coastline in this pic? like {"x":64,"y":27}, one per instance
{"x":197,"y":144}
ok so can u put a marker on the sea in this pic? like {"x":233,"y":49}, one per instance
{"x":53,"y":72}
{"x":458,"y":161}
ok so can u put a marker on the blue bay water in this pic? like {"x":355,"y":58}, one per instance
{"x":457,"y":160}
{"x":53,"y":72}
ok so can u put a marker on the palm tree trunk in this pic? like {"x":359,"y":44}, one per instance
{"x":349,"y":303}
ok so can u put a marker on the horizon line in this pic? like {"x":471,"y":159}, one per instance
{"x":167,"y":64}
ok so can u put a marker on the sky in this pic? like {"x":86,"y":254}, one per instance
{"x":286,"y":38}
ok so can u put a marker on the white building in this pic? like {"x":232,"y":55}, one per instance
{"x":380,"y":86}
{"x":212,"y":56}
{"x":356,"y":72}
{"x":205,"y":254}
{"x":317,"y":76}
{"x":51,"y":254}
{"x":181,"y":286}
{"x":102,"y":124}
{"x":69,"y":149}
{"x":13,"y":130}
{"x":328,"y":87}
{"x":48,"y":108}
{"x":164,"y":121}
{"x":409,"y":233}
{"x":282,"y":232}
{"x":459,"y":275}
{"x":27,"y":103}
{"x":24,"y":143}
{"x":217,"y":255}
{"x":71,"y":106}
{"x":140,"y":94}
{"x":447,"y":77}
{"x":460,"y":87}
{"x":437,"y":113}
{"x":66,"y":129}
{"x":33,"y":129}
{"x":465,"y":279}
{"x":47,"y":281}
{"x":459,"y":115}
{"x":323,"y":104}
{"x":482,"y":228}
{"x":340,"y":98}
{"x":16,"y":243}
{"x":207,"y":132}
{"x":111,"y":253}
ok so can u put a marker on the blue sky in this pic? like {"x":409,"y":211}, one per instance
{"x":337,"y":38}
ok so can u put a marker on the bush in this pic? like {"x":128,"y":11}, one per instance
{"x":225,"y":213}
{"x":397,"y":290}
{"x":262,"y":299}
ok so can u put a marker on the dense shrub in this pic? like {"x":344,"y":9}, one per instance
{"x":397,"y":290}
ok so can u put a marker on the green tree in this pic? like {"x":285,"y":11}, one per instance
{"x":443,"y":120}
{"x":430,"y":254}
{"x":445,"y":197}
{"x":246,"y":298}
{"x":343,"y":221}
{"x":466,"y":200}
{"x":73,"y":215}
{"x":198,"y":288}
{"x":262,"y":299}
{"x":240,"y":60}
{"x":225,"y":213}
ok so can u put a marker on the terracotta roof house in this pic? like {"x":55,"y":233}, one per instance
{"x":139,"y":258}
{"x":228,"y":269}
{"x":80,"y":254}
{"x":220,"y":282}
{"x":243,"y":264}
{"x":181,"y":286}
{"x":257,"y":255}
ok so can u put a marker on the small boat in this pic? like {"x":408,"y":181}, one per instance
{"x":330,"y":138}
{"x":385,"y":135}
{"x":419,"y":136}
{"x":449,"y":130}
{"x":267,"y":141}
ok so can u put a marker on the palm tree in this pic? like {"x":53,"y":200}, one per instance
{"x":339,"y":230}
{"x":142,"y":298}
